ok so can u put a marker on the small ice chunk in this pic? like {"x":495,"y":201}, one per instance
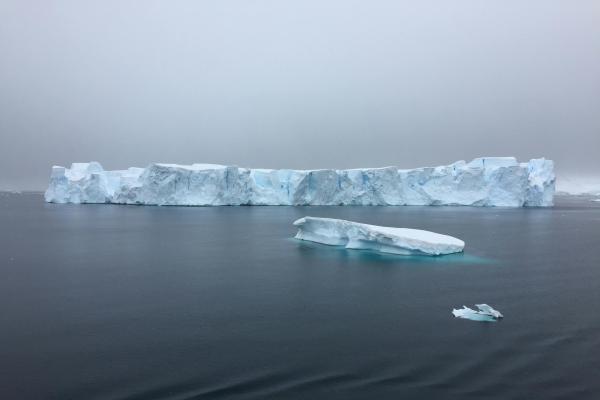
{"x":485,"y":313}
{"x":484,"y":308}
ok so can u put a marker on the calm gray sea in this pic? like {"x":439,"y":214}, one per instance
{"x":126,"y":302}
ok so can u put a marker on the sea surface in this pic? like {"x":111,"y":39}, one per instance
{"x":130,"y":302}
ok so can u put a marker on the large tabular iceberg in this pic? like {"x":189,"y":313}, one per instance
{"x":354,"y":235}
{"x":495,"y":181}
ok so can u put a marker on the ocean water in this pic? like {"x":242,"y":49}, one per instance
{"x":126,"y":302}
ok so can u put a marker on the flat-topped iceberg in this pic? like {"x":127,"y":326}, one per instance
{"x":354,"y":235}
{"x":495,"y":181}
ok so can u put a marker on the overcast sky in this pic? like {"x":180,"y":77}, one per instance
{"x":298,"y":84}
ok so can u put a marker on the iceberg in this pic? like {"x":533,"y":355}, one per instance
{"x":488,"y":181}
{"x":485,"y":313}
{"x":354,"y":235}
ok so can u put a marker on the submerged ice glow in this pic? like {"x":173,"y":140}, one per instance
{"x":490,"y":181}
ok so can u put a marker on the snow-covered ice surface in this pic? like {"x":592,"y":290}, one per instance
{"x":485,"y":313}
{"x":488,"y":181}
{"x":354,"y":235}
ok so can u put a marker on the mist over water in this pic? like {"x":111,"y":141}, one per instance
{"x":300,"y":84}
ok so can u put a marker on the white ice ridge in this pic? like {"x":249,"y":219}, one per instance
{"x":485,"y":313}
{"x":495,"y":181}
{"x":354,"y":235}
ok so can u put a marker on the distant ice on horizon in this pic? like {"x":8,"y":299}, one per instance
{"x":578,"y":185}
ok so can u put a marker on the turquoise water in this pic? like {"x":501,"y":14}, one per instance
{"x":371,"y":255}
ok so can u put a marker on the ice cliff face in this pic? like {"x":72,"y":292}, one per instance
{"x":494,"y":181}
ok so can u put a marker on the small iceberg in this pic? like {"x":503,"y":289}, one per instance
{"x":354,"y":235}
{"x":485,"y":313}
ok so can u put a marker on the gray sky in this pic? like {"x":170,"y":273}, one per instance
{"x":298,"y":84}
